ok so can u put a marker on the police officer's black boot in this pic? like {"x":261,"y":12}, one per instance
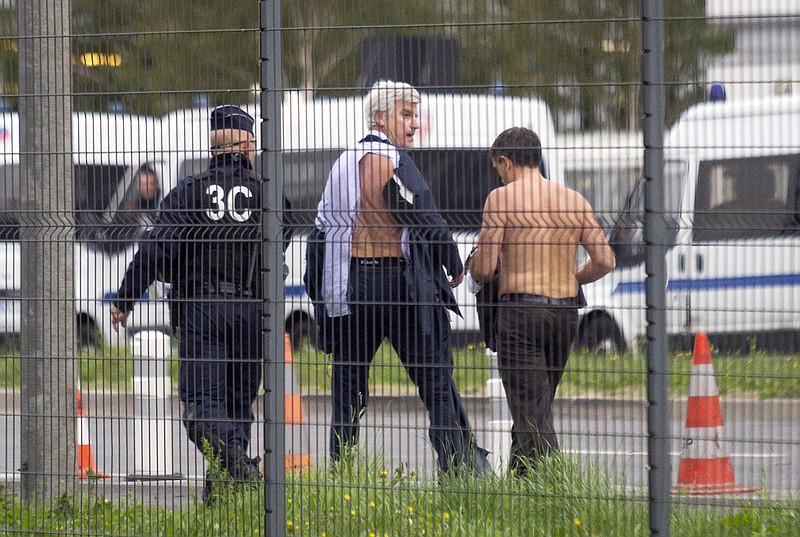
{"x":241,"y":467}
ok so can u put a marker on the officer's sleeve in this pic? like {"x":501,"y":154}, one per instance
{"x":158,"y":250}
{"x":413,"y":212}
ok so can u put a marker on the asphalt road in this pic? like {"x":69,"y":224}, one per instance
{"x":762,"y":439}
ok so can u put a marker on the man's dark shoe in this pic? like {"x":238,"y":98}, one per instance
{"x":480,"y":463}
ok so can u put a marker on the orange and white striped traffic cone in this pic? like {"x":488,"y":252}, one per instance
{"x":86,"y":467}
{"x":294,"y":416}
{"x":704,"y":468}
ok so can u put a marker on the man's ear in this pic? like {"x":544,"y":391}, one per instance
{"x":379,"y":119}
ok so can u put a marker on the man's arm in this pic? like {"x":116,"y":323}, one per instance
{"x":490,"y":240}
{"x":601,"y":256}
{"x":158,"y":249}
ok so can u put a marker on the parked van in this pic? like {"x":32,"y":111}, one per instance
{"x":732,"y":177}
{"x":108,"y":151}
{"x":451,"y":151}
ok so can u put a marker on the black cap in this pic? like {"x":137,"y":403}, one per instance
{"x":231,"y":117}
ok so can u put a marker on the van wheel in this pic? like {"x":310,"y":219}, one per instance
{"x":86,"y":331}
{"x":601,"y":335}
{"x":300,"y":327}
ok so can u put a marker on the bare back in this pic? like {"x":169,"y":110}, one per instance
{"x":533,"y":227}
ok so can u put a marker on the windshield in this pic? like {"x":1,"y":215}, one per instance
{"x":94,"y":186}
{"x":133,"y":209}
{"x":605,"y":188}
{"x":627,"y":236}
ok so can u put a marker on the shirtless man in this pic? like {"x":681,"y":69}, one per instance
{"x":531,"y":230}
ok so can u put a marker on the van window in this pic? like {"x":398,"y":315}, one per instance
{"x":138,"y":208}
{"x":460,"y":180}
{"x":627,"y":235}
{"x":94,"y":186}
{"x":606,"y":189}
{"x":304,"y":176}
{"x":745,"y":198}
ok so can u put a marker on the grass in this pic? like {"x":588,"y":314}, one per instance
{"x":366,"y":498}
{"x":756,"y":374}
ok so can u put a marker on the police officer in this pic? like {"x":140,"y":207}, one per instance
{"x":205,"y":241}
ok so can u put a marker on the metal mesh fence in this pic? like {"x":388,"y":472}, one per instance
{"x":343,"y":306}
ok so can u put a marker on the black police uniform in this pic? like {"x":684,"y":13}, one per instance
{"x":205,"y":241}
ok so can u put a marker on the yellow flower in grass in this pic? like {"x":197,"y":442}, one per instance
{"x":410,"y":509}
{"x":576,"y":522}
{"x":347,"y":497}
{"x":289,"y":501}
{"x":446,"y":515}
{"x":352,"y":512}
{"x":289,"y":525}
{"x":372,"y":505}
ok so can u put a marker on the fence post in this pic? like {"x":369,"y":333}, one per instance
{"x":270,"y":67}
{"x":47,"y":227}
{"x":655,"y":234}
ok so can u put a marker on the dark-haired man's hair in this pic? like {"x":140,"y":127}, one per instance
{"x":519,"y":145}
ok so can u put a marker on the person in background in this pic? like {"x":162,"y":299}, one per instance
{"x":138,"y":211}
{"x":531,"y":231}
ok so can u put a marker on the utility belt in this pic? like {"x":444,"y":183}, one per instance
{"x":221,"y":288}
{"x":378,"y":262}
{"x":567,"y":302}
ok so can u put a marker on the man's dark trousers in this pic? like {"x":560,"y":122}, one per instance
{"x":380,"y":308}
{"x":220,"y":371}
{"x":533,"y":345}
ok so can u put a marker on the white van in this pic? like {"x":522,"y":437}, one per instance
{"x":732,"y":174}
{"x":108,"y":151}
{"x":451,"y":150}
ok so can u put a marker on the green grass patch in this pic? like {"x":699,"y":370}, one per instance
{"x":757,"y":374}
{"x":387,"y":374}
{"x":368,"y":498}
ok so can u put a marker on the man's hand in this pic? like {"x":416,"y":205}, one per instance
{"x":455,"y":282}
{"x":118,"y":317}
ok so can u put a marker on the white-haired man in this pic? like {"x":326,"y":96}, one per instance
{"x":376,"y":272}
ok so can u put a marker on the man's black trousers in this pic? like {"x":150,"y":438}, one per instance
{"x":533,"y":345}
{"x":380,"y":308}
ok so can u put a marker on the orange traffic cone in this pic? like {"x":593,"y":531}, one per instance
{"x":704,"y":468}
{"x":86,"y":466}
{"x":294,"y":414}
